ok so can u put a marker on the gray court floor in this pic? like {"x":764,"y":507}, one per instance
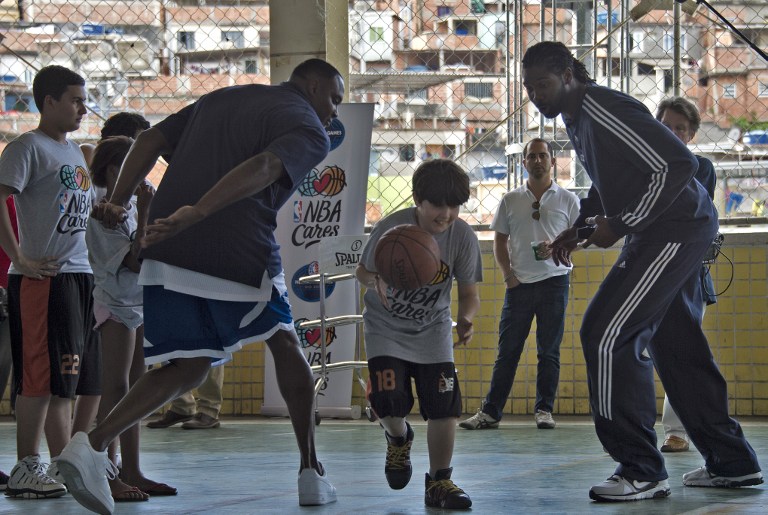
{"x":250,"y":466}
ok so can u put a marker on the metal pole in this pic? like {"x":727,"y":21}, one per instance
{"x":542,"y":37}
{"x":676,"y":13}
{"x":520,"y":118}
{"x":609,"y":45}
{"x":511,"y":77}
{"x":625,"y":70}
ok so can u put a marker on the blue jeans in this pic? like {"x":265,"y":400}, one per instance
{"x":546,"y":300}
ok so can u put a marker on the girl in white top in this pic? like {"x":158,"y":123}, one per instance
{"x":113,"y":254}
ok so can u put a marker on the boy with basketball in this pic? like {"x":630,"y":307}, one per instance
{"x":408,"y":333}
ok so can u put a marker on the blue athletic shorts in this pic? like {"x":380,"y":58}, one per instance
{"x":177,"y":325}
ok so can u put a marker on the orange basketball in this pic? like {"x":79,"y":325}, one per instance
{"x":407,"y":257}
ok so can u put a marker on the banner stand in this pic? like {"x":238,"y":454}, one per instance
{"x":313,"y":231}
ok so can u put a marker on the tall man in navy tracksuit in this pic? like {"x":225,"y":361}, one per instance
{"x":641,"y":184}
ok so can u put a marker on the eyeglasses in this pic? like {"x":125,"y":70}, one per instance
{"x":536,"y":213}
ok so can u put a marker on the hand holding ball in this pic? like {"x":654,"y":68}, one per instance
{"x":407,"y":257}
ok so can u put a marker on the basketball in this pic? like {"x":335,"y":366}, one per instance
{"x":407,"y":257}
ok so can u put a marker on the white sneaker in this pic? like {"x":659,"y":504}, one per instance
{"x":618,"y":488}
{"x":315,"y":489}
{"x":28,"y":480}
{"x":53,"y":472}
{"x":544,"y":420}
{"x":480,"y":420}
{"x":703,"y":477}
{"x":86,"y":471}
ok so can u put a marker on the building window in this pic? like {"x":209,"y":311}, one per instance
{"x":669,"y":42}
{"x":407,"y":153}
{"x":233,"y":36}
{"x":376,"y":34}
{"x":186,"y":40}
{"x":444,"y":10}
{"x":636,"y":41}
{"x":251,"y":66}
{"x":418,"y":95}
{"x":478,"y":7}
{"x":762,"y":88}
{"x":478,"y":90}
{"x":645,"y":69}
{"x":729,"y":90}
{"x":465,"y":28}
{"x":18,"y":102}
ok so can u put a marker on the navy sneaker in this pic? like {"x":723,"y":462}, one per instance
{"x":398,"y":469}
{"x":441,"y":492}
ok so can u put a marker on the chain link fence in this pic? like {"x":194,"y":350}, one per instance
{"x":444,"y":75}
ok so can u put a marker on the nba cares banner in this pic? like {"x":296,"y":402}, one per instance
{"x":330,"y":202}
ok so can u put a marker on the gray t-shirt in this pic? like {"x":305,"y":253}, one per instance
{"x":114,"y":285}
{"x":417,"y":326}
{"x":53,"y":198}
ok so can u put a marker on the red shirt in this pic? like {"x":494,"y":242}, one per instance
{"x":5,"y":261}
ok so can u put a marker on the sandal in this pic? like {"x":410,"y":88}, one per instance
{"x":154,"y":488}
{"x":131,"y":495}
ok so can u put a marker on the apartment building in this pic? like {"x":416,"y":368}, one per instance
{"x":439,"y":71}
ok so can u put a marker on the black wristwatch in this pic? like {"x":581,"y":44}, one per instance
{"x":585,"y":232}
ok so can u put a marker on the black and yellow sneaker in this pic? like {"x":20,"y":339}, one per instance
{"x":441,"y":492}
{"x":398,"y":467}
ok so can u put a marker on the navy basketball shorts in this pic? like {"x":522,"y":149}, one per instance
{"x":391,"y":395}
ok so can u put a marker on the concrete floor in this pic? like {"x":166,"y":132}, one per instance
{"x":250,"y":466}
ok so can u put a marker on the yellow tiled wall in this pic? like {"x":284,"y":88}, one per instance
{"x":737,"y":328}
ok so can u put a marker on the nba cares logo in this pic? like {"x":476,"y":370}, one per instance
{"x":75,"y":178}
{"x":310,"y":336}
{"x":328,"y":183}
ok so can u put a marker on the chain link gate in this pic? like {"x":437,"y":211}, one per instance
{"x":444,"y":74}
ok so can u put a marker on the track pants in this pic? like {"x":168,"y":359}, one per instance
{"x":652,"y":298}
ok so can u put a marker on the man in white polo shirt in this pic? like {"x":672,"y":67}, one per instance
{"x":527,"y":219}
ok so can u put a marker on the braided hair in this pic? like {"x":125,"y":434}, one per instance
{"x":556,"y":57}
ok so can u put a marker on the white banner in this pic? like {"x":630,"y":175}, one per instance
{"x":329,"y":203}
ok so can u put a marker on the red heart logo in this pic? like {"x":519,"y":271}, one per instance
{"x":312,"y":336}
{"x":321,"y":183}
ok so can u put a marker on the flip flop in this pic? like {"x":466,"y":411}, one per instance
{"x":160,"y":489}
{"x":131,"y":495}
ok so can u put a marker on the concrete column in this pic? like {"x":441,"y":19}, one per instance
{"x":306,"y":29}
